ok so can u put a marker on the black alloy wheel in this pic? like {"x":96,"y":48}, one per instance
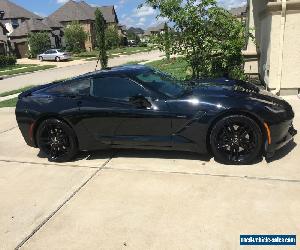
{"x":57,"y":140}
{"x":236,"y":140}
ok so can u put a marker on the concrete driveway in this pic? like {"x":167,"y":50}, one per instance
{"x":142,"y":200}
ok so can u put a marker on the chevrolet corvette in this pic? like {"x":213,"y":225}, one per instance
{"x":142,"y":108}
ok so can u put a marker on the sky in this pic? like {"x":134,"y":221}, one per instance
{"x":127,"y":11}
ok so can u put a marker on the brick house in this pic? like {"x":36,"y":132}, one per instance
{"x":19,"y":22}
{"x":85,"y":15}
{"x":3,"y":36}
{"x":276,"y":27}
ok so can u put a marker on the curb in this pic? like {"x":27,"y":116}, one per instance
{"x":27,"y":73}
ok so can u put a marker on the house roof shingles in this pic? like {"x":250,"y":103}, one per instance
{"x":108,"y":13}
{"x":51,"y":23}
{"x":29,"y":26}
{"x":239,"y":11}
{"x":13,"y":11}
{"x":81,"y":11}
{"x":157,"y":28}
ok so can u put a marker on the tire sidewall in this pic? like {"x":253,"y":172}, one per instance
{"x":71,"y":136}
{"x":257,"y":152}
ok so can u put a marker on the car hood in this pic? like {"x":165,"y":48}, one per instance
{"x":234,"y":89}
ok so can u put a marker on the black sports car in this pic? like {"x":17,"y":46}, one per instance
{"x":140,"y":107}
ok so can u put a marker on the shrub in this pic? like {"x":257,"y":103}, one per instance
{"x":38,"y":42}
{"x":7,"y":61}
{"x":112,"y":38}
{"x":207,"y":35}
{"x":100,"y":26}
{"x":143,"y":44}
{"x":75,"y":37}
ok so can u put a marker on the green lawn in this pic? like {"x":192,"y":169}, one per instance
{"x":9,"y":103}
{"x":16,"y":66}
{"x":18,"y":69}
{"x":112,"y":53}
{"x":178,"y":67}
{"x":133,"y":62}
{"x":16,"y":91}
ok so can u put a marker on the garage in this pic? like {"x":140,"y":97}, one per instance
{"x":21,"y":49}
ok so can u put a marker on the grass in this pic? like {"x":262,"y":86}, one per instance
{"x":133,"y":62}
{"x":16,"y":91}
{"x":178,"y":67}
{"x":96,"y":58}
{"x":130,"y":50}
{"x":9,"y":103}
{"x":17,"y":69}
{"x":16,"y":66}
{"x":92,"y":55}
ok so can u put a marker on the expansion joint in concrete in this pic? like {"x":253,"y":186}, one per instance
{"x":62,"y":205}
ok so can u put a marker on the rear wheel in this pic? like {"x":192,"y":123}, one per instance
{"x":236,"y":140}
{"x":57,"y":59}
{"x":57,"y":140}
{"x":41,"y":58}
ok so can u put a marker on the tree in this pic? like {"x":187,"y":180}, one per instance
{"x":100,"y":26}
{"x":112,"y":38}
{"x":167,"y":41}
{"x":38,"y":43}
{"x":75,"y":37}
{"x":208,"y":36}
{"x":133,"y":36}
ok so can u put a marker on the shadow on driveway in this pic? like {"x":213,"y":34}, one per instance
{"x":134,"y":153}
{"x":157,"y":154}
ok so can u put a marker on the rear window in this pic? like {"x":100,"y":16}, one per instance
{"x":76,"y":87}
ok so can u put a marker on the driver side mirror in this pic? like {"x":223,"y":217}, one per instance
{"x":140,"y":101}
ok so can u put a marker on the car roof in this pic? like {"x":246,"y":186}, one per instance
{"x":116,"y":71}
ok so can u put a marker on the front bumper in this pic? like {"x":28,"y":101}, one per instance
{"x":281,"y":134}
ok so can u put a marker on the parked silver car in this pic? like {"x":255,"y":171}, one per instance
{"x":54,"y":55}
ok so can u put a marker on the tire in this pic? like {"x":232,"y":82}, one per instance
{"x":236,"y":140}
{"x":57,"y":59}
{"x":57,"y":140}
{"x":41,"y":58}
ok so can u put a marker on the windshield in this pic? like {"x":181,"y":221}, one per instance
{"x":161,"y":82}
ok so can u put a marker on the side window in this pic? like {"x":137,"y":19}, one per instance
{"x":116,"y":88}
{"x":76,"y":87}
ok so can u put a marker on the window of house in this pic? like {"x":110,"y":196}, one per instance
{"x":116,"y":88}
{"x":15,"y":23}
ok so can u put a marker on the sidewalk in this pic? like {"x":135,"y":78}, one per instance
{"x":57,"y":64}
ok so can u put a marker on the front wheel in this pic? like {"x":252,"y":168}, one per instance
{"x":57,"y":59}
{"x":57,"y":140}
{"x":236,"y":139}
